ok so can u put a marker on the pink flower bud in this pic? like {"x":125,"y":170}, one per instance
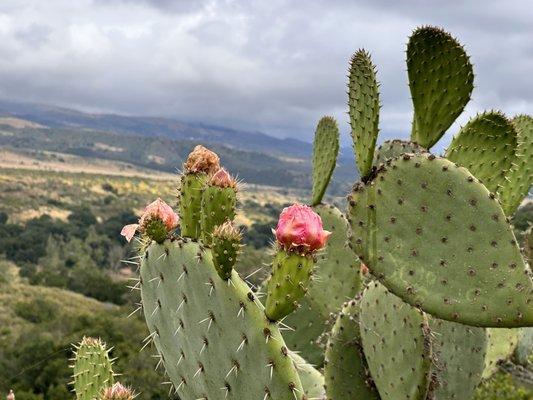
{"x":300,"y":228}
{"x":222,"y":179}
{"x":155,"y":210}
{"x":202,"y":160}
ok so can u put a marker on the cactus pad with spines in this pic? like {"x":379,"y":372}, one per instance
{"x":501,"y":344}
{"x":486,"y":146}
{"x":336,"y":279}
{"x":93,"y":370}
{"x":459,"y":356}
{"x":291,"y":273}
{"x":363,"y":102}
{"x":395,"y":148}
{"x":190,"y":203}
{"x":438,"y":239}
{"x":213,"y":336}
{"x":312,"y":380}
{"x":520,"y":178}
{"x":441,"y":82}
{"x":346,"y":371}
{"x":396,"y":344}
{"x":325,"y":151}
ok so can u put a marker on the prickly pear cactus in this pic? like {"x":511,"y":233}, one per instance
{"x":459,"y":358}
{"x":437,"y":238}
{"x":395,"y":148}
{"x":346,"y":371}
{"x":520,"y":178}
{"x":337,"y":278}
{"x":501,"y":343}
{"x":396,"y":343}
{"x":92,"y":369}
{"x":325,"y":150}
{"x":441,"y":82}
{"x":213,"y":336}
{"x":363,"y":102}
{"x":312,"y":380}
{"x":486,"y":146}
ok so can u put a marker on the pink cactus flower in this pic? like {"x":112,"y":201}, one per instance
{"x":223,"y":179}
{"x":157,"y":209}
{"x":300,"y":228}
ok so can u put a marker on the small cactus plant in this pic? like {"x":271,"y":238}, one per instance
{"x":443,"y":273}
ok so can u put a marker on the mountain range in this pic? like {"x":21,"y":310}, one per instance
{"x":163,"y":143}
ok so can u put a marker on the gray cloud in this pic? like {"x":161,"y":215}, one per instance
{"x":274,"y":66}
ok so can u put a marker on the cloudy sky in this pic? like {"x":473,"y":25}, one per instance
{"x":274,"y":65}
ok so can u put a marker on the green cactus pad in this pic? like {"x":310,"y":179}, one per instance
{"x":325,"y":151}
{"x":501,"y":343}
{"x":441,"y":82}
{"x":346,"y":371}
{"x":395,"y":148}
{"x":336,"y":279}
{"x":363,"y":102}
{"x":396,"y":344}
{"x":459,"y":356}
{"x":520,"y":178}
{"x":214,"y":339}
{"x":190,"y":203}
{"x":93,"y":370}
{"x":438,"y":239}
{"x":288,"y":283}
{"x":307,"y":325}
{"x":486,"y":146}
{"x":524,"y":350}
{"x":312,"y":380}
{"x":218,"y":206}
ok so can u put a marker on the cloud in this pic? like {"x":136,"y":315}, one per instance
{"x":273,"y":66}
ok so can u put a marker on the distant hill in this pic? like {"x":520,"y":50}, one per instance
{"x":57,"y":117}
{"x":162,"y":144}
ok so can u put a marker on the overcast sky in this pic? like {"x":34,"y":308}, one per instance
{"x":274,"y":65}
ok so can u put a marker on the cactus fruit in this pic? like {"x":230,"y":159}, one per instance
{"x":396,"y":344}
{"x":346,"y":371}
{"x":92,"y":369}
{"x":117,"y":392}
{"x":437,"y":238}
{"x":486,"y":146}
{"x":395,"y":148}
{"x":441,"y":82}
{"x":299,"y":235}
{"x":459,"y":358}
{"x":157,"y":221}
{"x":325,"y":150}
{"x":200,"y":164}
{"x":336,"y":279}
{"x":213,"y":336}
{"x":226,"y":245}
{"x":520,"y":178}
{"x":363,"y":102}
{"x":219,"y":200}
{"x":288,"y":284}
{"x":501,"y":345}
